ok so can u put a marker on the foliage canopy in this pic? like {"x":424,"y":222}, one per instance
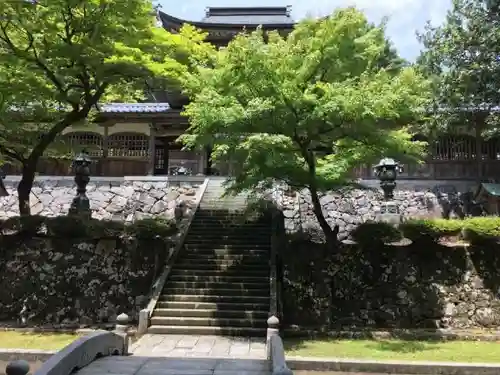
{"x":308,"y":108}
{"x":462,"y":55}
{"x":60,"y":58}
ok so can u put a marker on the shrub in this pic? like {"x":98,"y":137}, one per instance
{"x":373,"y":232}
{"x":80,"y":228}
{"x":430,"y":230}
{"x":151,"y":228}
{"x":481,"y":228}
{"x":26,"y":225}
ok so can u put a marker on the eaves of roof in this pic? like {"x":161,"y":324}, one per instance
{"x":167,"y":20}
{"x":134,"y":107}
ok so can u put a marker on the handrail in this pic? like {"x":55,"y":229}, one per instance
{"x":275,"y":284}
{"x":145,"y":314}
{"x":80,"y":352}
{"x":274,"y":344}
{"x":275,"y":349}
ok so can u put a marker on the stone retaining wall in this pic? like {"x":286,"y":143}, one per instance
{"x":392,"y":287}
{"x":386,"y":287}
{"x":86,"y":281}
{"x":77,"y":281}
{"x":350,"y":208}
{"x":110,"y":198}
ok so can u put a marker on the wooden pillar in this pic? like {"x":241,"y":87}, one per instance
{"x":151,"y":149}
{"x":103,"y":165}
{"x":166,"y":154}
{"x":208,"y":165}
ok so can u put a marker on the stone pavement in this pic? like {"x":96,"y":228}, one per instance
{"x":142,"y":365}
{"x":199,"y":346}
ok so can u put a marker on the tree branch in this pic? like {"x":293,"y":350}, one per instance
{"x":34,"y":60}
{"x":11,"y":154}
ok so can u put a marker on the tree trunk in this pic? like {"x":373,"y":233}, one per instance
{"x":24,"y":187}
{"x":479,"y":154}
{"x":30,"y":164}
{"x":330,"y":234}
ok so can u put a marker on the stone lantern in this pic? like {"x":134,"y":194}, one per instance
{"x":387,"y":172}
{"x":81,"y":204}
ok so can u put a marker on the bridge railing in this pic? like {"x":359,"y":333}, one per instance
{"x":275,"y":348}
{"x":80,"y":352}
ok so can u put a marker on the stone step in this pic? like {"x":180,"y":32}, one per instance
{"x":207,"y":330}
{"x":221,"y":205}
{"x":204,"y":322}
{"x":221,"y":272}
{"x":184,"y":263}
{"x":235,"y":248}
{"x":223,"y":267}
{"x":213,"y":298}
{"x":222,"y":213}
{"x":225,"y":279}
{"x":244,"y":234}
{"x":226,"y":306}
{"x":218,"y":201}
{"x":193,"y":256}
{"x":217,"y":238}
{"x":217,"y":285}
{"x":229,"y":227}
{"x":261,"y":292}
{"x":212,"y":313}
{"x":228,"y":221}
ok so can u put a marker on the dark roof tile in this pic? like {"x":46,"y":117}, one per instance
{"x":134,"y":107}
{"x":248,"y":16}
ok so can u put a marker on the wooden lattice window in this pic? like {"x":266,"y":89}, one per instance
{"x":128,"y":145}
{"x":88,"y":141}
{"x":454,"y":148}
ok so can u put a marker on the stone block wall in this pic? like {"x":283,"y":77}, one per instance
{"x":87,"y":281}
{"x":391,"y":287}
{"x":110,"y":198}
{"x":388,"y":286}
{"x":350,"y":208}
{"x":75,"y":281}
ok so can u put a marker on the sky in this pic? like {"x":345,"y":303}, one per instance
{"x":405,"y":16}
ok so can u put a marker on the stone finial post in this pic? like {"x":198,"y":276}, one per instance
{"x":121,"y":328}
{"x":273,"y":324}
{"x":19,"y":367}
{"x":81,"y":204}
{"x":179,"y":211}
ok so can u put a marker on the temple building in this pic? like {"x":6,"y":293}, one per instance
{"x":139,"y":138}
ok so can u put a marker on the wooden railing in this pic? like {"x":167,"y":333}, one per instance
{"x":432,"y":170}
{"x":441,"y":170}
{"x":109,"y":167}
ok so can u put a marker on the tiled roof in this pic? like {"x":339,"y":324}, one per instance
{"x":235,"y":18}
{"x":134,"y":107}
{"x":248,"y":16}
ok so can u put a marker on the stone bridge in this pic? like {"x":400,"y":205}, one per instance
{"x":110,"y":352}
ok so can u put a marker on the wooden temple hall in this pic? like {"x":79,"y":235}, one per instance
{"x":140,"y":138}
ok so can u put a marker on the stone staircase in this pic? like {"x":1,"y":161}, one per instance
{"x":220,"y":282}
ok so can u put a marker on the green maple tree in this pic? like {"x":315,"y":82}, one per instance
{"x":60,"y":58}
{"x":307,"y":109}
